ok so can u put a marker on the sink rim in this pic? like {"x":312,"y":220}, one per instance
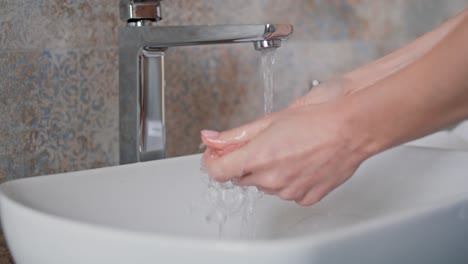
{"x":238,"y":243}
{"x":280,"y":243}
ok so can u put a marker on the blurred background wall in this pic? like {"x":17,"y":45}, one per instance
{"x":59,"y":69}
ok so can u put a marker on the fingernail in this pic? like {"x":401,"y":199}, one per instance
{"x":210,"y":133}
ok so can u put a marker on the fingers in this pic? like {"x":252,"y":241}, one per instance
{"x":235,"y":136}
{"x":305,"y":190}
{"x":314,"y":195}
{"x":223,"y":168}
{"x":302,"y":195}
{"x":267,"y":181}
{"x":228,"y":149}
{"x":288,"y":186}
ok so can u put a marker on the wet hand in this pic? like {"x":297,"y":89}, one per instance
{"x":234,"y":138}
{"x":299,"y":154}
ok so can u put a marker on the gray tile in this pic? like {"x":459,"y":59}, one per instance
{"x":100,"y":75}
{"x":11,"y":167}
{"x":41,"y":24}
{"x":58,"y":68}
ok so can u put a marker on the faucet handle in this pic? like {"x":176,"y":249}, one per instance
{"x":140,"y":12}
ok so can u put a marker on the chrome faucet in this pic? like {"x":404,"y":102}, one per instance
{"x":142,"y":47}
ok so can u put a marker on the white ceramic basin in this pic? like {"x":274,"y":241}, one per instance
{"x":407,"y":205}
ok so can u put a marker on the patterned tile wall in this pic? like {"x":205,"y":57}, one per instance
{"x":59,"y":72}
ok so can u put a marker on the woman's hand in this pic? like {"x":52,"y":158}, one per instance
{"x":307,"y":150}
{"x":233,"y":139}
{"x":299,"y":154}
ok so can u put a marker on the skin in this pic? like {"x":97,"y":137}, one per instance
{"x":305,"y":151}
{"x":377,"y":70}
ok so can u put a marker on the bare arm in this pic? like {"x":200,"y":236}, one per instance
{"x":304,"y":152}
{"x":377,"y":70}
{"x":428,"y":95}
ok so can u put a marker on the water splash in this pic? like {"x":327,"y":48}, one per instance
{"x":224,"y":201}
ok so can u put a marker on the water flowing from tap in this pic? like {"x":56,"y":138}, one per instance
{"x":225,"y":201}
{"x":267,"y":62}
{"x":253,"y":194}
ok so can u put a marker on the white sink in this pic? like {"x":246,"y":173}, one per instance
{"x":407,"y":205}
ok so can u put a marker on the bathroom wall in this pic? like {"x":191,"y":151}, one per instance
{"x":59,"y":69}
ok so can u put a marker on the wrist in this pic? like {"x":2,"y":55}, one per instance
{"x":361,"y":127}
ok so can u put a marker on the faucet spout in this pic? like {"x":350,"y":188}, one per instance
{"x":173,"y":36}
{"x":142,"y":81}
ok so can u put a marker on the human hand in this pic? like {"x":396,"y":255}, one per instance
{"x":299,"y":154}
{"x":326,"y":91}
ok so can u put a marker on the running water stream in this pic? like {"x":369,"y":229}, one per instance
{"x":268,"y":60}
{"x":226,"y":201}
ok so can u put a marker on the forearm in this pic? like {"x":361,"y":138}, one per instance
{"x":395,"y":61}
{"x":426,"y":96}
